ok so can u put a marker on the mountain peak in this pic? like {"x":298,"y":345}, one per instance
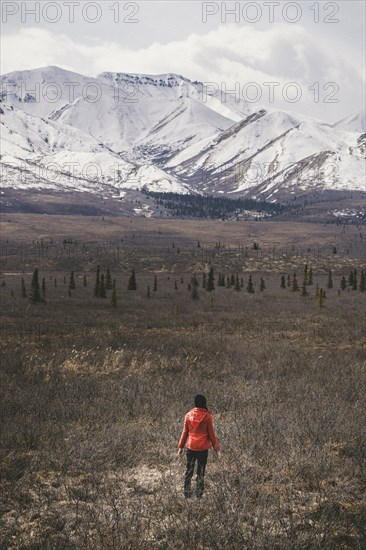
{"x":165,"y":79}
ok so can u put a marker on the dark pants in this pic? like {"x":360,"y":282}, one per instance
{"x":192,"y":456}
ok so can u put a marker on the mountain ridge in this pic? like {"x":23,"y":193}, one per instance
{"x":166,"y":132}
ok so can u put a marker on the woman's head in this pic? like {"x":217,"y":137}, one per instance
{"x":200,"y":401}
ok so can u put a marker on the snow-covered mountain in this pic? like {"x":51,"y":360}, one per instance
{"x":61,"y":130}
{"x":354,"y":123}
{"x":42,"y":154}
{"x":274,"y":152}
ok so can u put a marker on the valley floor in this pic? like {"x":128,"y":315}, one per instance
{"x":93,"y":394}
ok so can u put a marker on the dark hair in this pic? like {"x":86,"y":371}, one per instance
{"x":200,"y":401}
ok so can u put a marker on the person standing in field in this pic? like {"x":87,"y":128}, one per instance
{"x":198,"y":437}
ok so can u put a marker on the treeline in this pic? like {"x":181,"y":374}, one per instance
{"x":198,"y":206}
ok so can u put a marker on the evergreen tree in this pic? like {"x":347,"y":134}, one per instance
{"x":317,"y":291}
{"x":132,"y":281}
{"x":228,"y":282}
{"x":304,"y":292}
{"x":250,"y":286}
{"x":362,"y":282}
{"x":108,"y":281}
{"x":241,"y":282}
{"x":288,"y":280}
{"x":155,"y":287}
{"x":44,"y":289}
{"x":310,"y":277}
{"x":194,"y":281}
{"x":102,"y":289}
{"x":321,"y":298}
{"x":35,"y":292}
{"x":210,"y":286}
{"x":24,"y":292}
{"x":306,"y":274}
{"x":237,"y":284}
{"x":295,"y":286}
{"x":350,"y":279}
{"x":85,"y":283}
{"x":72,"y":281}
{"x":55,"y":282}
{"x":330,"y":280}
{"x":97,"y":283}
{"x":194,"y":293}
{"x":204,"y":280}
{"x":148,"y":293}
{"x":283,"y":282}
{"x":114,"y":295}
{"x":175,"y":285}
{"x":232,"y":280}
{"x":354,"y":286}
{"x":343,"y":283}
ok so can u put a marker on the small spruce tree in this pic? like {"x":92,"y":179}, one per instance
{"x":35,"y":292}
{"x":250,"y":286}
{"x":210,"y":285}
{"x":354,"y":285}
{"x":85,"y":282}
{"x":97,"y":283}
{"x":310,"y":277}
{"x":194,"y":293}
{"x":44,"y":289}
{"x":262,"y":285}
{"x":343,"y":283}
{"x":321,"y":298}
{"x":155,"y":287}
{"x":237,"y":284}
{"x":132,"y":281}
{"x":330,"y":280}
{"x":24,"y":291}
{"x":362,"y":286}
{"x":294,"y":286}
{"x":72,"y":281}
{"x":102,"y":289}
{"x":283,"y":281}
{"x":304,"y":292}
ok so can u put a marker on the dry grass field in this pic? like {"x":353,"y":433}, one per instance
{"x":93,"y":396}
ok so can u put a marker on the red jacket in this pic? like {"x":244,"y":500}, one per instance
{"x":198,"y":432}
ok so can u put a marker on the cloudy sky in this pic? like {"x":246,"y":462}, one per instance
{"x":304,"y":56}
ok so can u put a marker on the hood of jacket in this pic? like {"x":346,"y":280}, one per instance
{"x":196,"y":416}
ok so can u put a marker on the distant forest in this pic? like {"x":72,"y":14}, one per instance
{"x":198,"y":206}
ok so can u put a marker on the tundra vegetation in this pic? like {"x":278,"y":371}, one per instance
{"x":107,"y":333}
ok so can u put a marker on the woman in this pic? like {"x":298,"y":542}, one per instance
{"x":198,"y":436}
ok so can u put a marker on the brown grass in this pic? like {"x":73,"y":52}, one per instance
{"x":93,"y":399}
